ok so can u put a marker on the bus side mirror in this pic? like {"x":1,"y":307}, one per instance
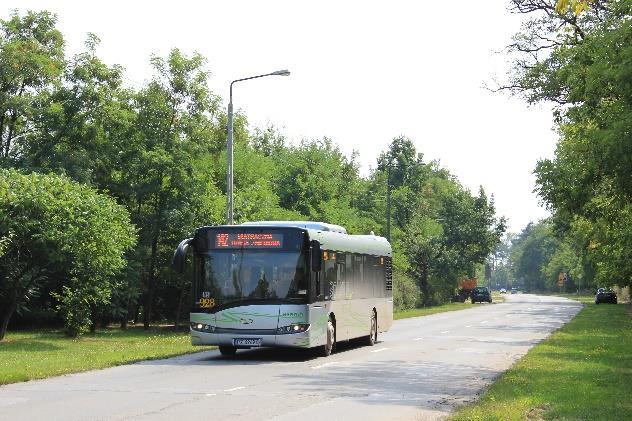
{"x":316,"y":256}
{"x":179,"y":257}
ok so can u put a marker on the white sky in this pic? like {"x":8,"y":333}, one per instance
{"x":363,"y":72}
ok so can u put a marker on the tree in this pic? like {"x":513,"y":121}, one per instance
{"x":54,"y":229}
{"x":169,"y":166}
{"x":84,"y":124}
{"x":441,"y":228}
{"x":32,"y":57}
{"x":579,"y":59}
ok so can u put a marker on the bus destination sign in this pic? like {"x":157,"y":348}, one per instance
{"x":248,"y":240}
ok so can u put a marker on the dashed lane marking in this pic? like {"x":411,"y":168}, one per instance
{"x":316,"y":367}
{"x":380,"y":350}
{"x":235,"y":388}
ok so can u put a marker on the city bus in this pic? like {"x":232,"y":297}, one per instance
{"x":287,"y":284}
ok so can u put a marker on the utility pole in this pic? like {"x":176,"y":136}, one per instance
{"x":388,"y":203}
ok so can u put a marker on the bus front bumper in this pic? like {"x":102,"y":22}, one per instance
{"x":293,"y":340}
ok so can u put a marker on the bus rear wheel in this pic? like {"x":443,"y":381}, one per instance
{"x":331,"y":339}
{"x":372,"y":338}
{"x":227,"y":350}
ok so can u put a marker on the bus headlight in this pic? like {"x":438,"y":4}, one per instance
{"x":293,"y":328}
{"x":202,"y":327}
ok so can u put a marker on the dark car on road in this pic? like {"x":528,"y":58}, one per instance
{"x":480,"y":294}
{"x":605,"y":295}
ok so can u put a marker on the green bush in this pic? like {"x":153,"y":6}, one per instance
{"x":406,"y":294}
{"x":61,"y":234}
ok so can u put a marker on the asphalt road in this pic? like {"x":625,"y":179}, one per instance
{"x":421,"y":369}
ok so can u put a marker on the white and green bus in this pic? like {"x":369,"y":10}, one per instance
{"x":287,"y":284}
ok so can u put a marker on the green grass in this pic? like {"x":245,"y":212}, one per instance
{"x":38,"y":354}
{"x":581,"y":372}
{"x":416,"y":312}
{"x":582,"y":298}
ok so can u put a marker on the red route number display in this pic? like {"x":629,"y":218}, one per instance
{"x":248,"y":240}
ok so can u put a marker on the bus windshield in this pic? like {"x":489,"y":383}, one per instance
{"x":227,"y":276}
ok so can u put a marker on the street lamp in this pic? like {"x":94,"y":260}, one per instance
{"x":229,"y":154}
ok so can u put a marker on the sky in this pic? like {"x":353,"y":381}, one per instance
{"x":362,"y":73}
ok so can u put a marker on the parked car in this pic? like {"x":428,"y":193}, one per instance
{"x":503,"y":291}
{"x":514,"y":290}
{"x":605,"y":295}
{"x":480,"y":294}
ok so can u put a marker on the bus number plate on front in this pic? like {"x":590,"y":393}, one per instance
{"x":247,"y":342}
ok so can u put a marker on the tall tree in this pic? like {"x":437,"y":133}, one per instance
{"x":32,"y":60}
{"x":169,"y":163}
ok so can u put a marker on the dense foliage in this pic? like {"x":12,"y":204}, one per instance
{"x":159,"y":151}
{"x":60,"y":237}
{"x":580,"y":58}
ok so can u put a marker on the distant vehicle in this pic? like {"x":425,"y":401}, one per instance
{"x":465,"y":289}
{"x":605,"y":295}
{"x":287,"y":284}
{"x":514,"y":291}
{"x":480,"y":294}
{"x":503,"y":291}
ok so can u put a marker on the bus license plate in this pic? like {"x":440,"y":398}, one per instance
{"x":247,"y":342}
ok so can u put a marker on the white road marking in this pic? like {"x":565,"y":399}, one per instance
{"x":316,"y":367}
{"x":235,"y":388}
{"x":380,"y":350}
{"x":417,"y":339}
{"x":468,"y":325}
{"x":211,"y":394}
{"x":446,"y":331}
{"x":485,"y":321}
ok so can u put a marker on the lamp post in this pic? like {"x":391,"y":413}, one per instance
{"x":229,"y":141}
{"x":388,"y":204}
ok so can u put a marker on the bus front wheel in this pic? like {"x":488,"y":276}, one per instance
{"x":331,"y":339}
{"x":227,"y":350}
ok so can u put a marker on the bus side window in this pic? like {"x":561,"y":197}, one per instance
{"x":342,"y":277}
{"x":357,"y":289}
{"x":387,"y":276}
{"x":369,"y":275}
{"x":329,"y":276}
{"x":317,"y":292}
{"x":350,"y":281}
{"x":318,"y":286}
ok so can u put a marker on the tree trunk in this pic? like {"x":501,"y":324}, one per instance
{"x":2,"y":134}
{"x":128,"y":313}
{"x":151,"y":284}
{"x":6,"y":317}
{"x":136,"y":311}
{"x":7,"y":145}
{"x":423,"y":284}
{"x":151,"y":280}
{"x":179,"y":309}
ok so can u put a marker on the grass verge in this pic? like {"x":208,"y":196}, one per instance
{"x":417,"y":312}
{"x":581,"y":372}
{"x":39,"y":354}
